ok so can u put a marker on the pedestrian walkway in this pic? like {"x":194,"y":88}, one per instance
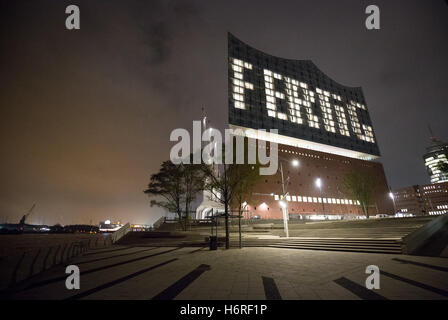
{"x":145,"y":273}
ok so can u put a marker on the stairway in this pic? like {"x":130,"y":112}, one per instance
{"x":328,"y":244}
{"x":372,"y":236}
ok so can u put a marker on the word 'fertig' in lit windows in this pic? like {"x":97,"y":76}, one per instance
{"x":299,"y":99}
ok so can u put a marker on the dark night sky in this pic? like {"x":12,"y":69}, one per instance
{"x":86,"y":115}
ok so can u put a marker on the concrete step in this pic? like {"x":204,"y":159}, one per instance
{"x":335,"y":244}
{"x":396,"y":249}
{"x":350,"y":249}
{"x":332,"y":241}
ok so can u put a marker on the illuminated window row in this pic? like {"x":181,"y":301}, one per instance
{"x":437,"y":212}
{"x":320,"y":91}
{"x":336,"y":97}
{"x":342,"y":120}
{"x":312,"y":155}
{"x":435,"y":161}
{"x":317,"y":200}
{"x":354,"y":119}
{"x":326,"y":110}
{"x":272,"y":95}
{"x":368,"y":133}
{"x":368,"y":136}
{"x":360,"y":105}
{"x":433,"y":164}
{"x":302,"y":154}
{"x":242,"y":84}
{"x":241,"y":63}
{"x":431,"y":187}
{"x":238,"y":84}
{"x":294,"y":103}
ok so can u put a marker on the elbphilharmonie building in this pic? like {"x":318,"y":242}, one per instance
{"x":323,"y":124}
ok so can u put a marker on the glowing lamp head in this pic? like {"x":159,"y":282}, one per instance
{"x":295,"y":163}
{"x":318,"y":183}
{"x":283,"y":204}
{"x":391,"y":195}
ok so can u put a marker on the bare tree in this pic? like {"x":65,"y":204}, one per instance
{"x":248,"y":175}
{"x":193,"y":181}
{"x":167,"y":184}
{"x":360,"y":184}
{"x":228,"y":182}
{"x":178,"y":185}
{"x":221,"y":183}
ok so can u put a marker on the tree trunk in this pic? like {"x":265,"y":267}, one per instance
{"x":239,"y":226}
{"x":366,"y":210}
{"x":226,"y":216}
{"x":179,"y":214}
{"x":187,"y":209}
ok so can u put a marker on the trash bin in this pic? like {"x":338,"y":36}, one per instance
{"x":213,"y":242}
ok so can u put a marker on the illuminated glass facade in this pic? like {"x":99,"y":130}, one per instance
{"x":322,"y":125}
{"x":298,"y":99}
{"x":436,"y":161}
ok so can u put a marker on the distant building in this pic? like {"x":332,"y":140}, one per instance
{"x":141,"y":227}
{"x":430,"y":199}
{"x":108,"y":226}
{"x":436,"y":161}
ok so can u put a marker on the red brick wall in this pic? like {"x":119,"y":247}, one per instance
{"x":331,"y":170}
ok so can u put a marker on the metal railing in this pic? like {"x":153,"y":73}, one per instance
{"x":16,"y":269}
{"x":120,"y":233}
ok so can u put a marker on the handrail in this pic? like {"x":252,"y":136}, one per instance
{"x":120,"y":233}
{"x":32,"y":262}
{"x":158,"y":223}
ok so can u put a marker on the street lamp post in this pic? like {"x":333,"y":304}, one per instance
{"x":283,"y":204}
{"x":391,"y":195}
{"x":283,"y":200}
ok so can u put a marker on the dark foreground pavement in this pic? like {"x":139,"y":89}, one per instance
{"x":127,"y":272}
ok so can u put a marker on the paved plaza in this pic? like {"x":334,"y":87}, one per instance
{"x":129,"y":272}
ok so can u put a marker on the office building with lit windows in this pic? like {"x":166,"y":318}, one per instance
{"x":436,"y":161}
{"x":430,"y":199}
{"x":322,"y":125}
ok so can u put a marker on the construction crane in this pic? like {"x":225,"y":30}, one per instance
{"x":25,"y":216}
{"x":17,"y":228}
